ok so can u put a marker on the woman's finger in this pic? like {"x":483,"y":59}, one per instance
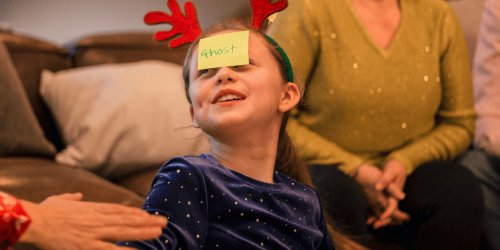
{"x":111,"y":208}
{"x":386,"y":179}
{"x":371,"y":220}
{"x":381,"y":223}
{"x":400,"y":215}
{"x":72,"y":197}
{"x":395,"y":191}
{"x":391,"y":207}
{"x":65,"y":197}
{"x":119,"y":233}
{"x":130,"y":220}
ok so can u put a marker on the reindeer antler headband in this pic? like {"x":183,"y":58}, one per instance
{"x":189,"y":27}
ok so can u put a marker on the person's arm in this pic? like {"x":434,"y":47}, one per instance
{"x":66,"y":222}
{"x":455,"y":117}
{"x":178,"y":192}
{"x":486,"y":73}
{"x":294,"y":30}
{"x":454,"y":127}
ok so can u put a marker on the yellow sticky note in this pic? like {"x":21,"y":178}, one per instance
{"x":228,"y":49}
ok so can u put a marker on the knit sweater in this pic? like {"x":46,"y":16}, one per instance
{"x":412,"y":102}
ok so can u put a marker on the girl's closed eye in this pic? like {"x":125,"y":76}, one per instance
{"x":204,"y":71}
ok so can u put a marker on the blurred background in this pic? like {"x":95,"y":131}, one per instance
{"x":62,"y":21}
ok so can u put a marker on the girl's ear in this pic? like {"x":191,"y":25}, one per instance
{"x":193,"y":120}
{"x":290,"y":97}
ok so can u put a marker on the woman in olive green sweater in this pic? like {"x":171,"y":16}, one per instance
{"x":388,"y":97}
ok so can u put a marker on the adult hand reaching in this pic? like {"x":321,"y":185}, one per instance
{"x":65,"y":222}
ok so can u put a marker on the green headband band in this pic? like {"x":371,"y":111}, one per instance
{"x":289,"y":71}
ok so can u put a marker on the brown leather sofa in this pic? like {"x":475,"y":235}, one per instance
{"x":34,"y":178}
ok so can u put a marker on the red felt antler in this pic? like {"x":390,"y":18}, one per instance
{"x":263,"y":8}
{"x":187,"y":25}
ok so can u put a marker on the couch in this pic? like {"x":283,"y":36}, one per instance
{"x":29,"y":175}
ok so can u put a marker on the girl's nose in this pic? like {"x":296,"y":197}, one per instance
{"x":225,"y":75}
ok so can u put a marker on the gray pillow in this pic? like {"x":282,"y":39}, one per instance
{"x":20,"y":133}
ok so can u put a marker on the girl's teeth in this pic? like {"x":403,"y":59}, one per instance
{"x":229,"y":97}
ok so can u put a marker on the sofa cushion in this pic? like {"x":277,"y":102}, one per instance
{"x":118,"y":119}
{"x":139,"y":182}
{"x":20,"y":133}
{"x":30,"y":56}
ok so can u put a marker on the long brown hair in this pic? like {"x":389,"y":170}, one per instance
{"x":287,"y":160}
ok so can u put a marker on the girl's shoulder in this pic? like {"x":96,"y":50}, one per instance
{"x":188,"y":161}
{"x":195,"y":168}
{"x":296,"y":186}
{"x":184,"y":167}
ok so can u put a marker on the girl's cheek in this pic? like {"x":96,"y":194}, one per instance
{"x":196,"y":96}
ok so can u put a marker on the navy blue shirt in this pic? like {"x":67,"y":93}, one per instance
{"x":209,"y":206}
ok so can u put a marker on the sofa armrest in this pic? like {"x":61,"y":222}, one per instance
{"x":30,"y":56}
{"x":35,"y":179}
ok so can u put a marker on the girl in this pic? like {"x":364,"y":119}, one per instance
{"x":251,"y":191}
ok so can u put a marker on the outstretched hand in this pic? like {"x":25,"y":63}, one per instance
{"x":65,"y":222}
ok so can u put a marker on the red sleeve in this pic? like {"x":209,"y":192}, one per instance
{"x":13,"y":220}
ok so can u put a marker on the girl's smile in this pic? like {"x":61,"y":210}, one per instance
{"x":228,"y":97}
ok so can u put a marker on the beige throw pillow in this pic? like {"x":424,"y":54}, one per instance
{"x":117,"y":119}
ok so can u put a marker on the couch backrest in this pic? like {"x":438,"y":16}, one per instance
{"x":30,"y":56}
{"x":122,"y":48}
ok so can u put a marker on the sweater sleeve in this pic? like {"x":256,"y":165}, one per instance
{"x":454,"y":128}
{"x":296,"y":31}
{"x":178,"y":192}
{"x":486,"y":73}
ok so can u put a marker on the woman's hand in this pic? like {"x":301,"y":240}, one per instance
{"x":65,"y":222}
{"x":391,"y":184}
{"x":393,"y":179}
{"x":367,"y":177}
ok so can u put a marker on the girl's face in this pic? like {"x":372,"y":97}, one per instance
{"x":239,"y":97}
